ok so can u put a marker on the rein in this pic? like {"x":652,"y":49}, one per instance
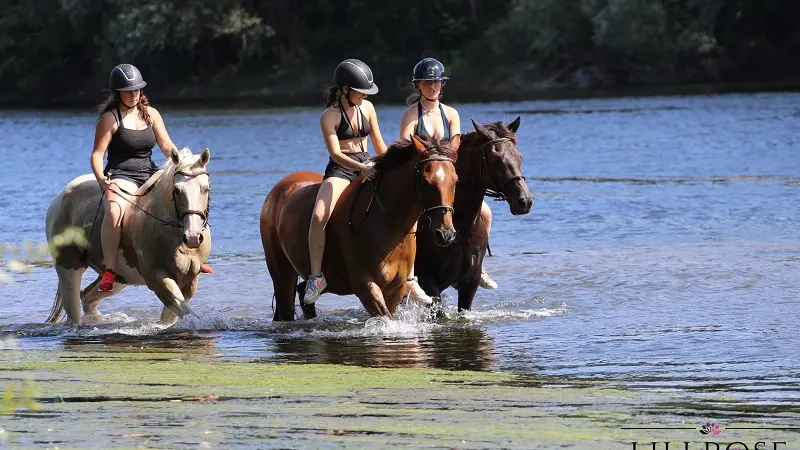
{"x":417,"y":187}
{"x":496,"y":194}
{"x":178,"y":221}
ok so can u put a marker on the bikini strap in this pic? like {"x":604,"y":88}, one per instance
{"x":420,"y":121}
{"x":445,"y":122}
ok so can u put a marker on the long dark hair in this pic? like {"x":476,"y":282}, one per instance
{"x":113,"y":101}
{"x":416,"y":94}
{"x":332,"y":96}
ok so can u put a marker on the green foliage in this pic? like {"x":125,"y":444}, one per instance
{"x":22,"y":260}
{"x":18,"y":395}
{"x":189,"y":41}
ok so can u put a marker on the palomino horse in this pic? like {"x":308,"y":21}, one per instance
{"x":168,"y":211}
{"x":369,"y":247}
{"x":489,"y":163}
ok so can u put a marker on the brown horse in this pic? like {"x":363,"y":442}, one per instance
{"x":369,"y":247}
{"x":488,"y":162}
{"x":154,"y":246}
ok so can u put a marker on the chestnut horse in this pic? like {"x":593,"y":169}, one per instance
{"x":369,"y":247}
{"x":489,"y":163}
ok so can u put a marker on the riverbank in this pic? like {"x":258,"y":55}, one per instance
{"x":254,"y":91}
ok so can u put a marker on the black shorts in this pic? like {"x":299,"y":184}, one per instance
{"x":334,"y":169}
{"x":139,"y":177}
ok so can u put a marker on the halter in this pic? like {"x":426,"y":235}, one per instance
{"x":496,"y":193}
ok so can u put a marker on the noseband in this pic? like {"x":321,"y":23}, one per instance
{"x":496,"y":193}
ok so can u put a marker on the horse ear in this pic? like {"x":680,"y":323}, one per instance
{"x":418,"y":144}
{"x":174,"y":156}
{"x":205,"y":156}
{"x":481,"y":130}
{"x":514,"y":126}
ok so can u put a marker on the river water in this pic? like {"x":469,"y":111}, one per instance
{"x":662,"y":251}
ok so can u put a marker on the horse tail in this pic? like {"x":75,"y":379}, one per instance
{"x":58,"y":307}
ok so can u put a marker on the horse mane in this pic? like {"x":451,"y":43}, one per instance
{"x":500,"y":130}
{"x":402,"y":150}
{"x":167,"y":172}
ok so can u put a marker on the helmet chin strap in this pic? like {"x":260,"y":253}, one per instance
{"x":432,"y":100}
{"x":124,"y":105}
{"x":347,"y":97}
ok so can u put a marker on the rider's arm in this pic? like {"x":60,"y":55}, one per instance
{"x":375,"y":131}
{"x":162,"y":137}
{"x":455,"y":127}
{"x":106,"y":127}
{"x":407,"y":124}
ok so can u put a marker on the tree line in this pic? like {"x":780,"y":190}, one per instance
{"x":60,"y":51}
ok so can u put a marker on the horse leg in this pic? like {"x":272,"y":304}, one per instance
{"x":167,"y":290}
{"x":91,"y":296}
{"x":466,"y":292}
{"x":69,"y":283}
{"x":309,"y":311}
{"x":371,"y":297}
{"x":284,"y":282}
{"x":168,"y":317}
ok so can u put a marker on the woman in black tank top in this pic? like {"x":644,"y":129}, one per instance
{"x":128,"y":128}
{"x":427,"y":116}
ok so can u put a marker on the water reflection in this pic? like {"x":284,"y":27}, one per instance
{"x":450,"y":349}
{"x":167,"y":341}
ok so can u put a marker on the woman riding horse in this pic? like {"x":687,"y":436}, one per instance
{"x":128,"y":128}
{"x":346,"y":122}
{"x":420,"y":116}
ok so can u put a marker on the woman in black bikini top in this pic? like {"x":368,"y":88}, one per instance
{"x":420,"y":116}
{"x":346,"y":123}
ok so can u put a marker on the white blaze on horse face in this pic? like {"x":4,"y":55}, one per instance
{"x":190,"y":193}
{"x":440,"y":175}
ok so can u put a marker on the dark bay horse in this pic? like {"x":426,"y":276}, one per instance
{"x":154,"y":251}
{"x":369,"y":249}
{"x":488,"y":161}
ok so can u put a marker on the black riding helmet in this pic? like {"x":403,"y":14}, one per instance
{"x":429,"y":69}
{"x":126,"y":77}
{"x":356,"y":75}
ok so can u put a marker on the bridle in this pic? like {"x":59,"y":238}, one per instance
{"x":418,"y":184}
{"x":417,"y":187}
{"x":178,"y":221}
{"x":203,"y":214}
{"x":496,"y":193}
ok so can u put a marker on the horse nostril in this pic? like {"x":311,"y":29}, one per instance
{"x":200,"y":238}
{"x":185,"y":239}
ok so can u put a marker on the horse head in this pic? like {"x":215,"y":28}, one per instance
{"x":191,"y":194}
{"x":435,"y":185}
{"x":500,"y":172}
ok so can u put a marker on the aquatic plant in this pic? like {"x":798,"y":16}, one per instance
{"x":23,"y":258}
